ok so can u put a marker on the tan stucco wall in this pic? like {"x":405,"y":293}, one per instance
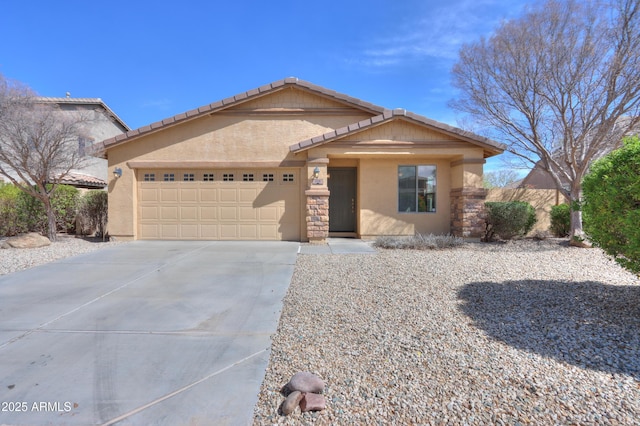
{"x":262,"y":131}
{"x":233,"y":137}
{"x":378,"y":199}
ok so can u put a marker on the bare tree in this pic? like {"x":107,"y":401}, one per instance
{"x":560,"y":86}
{"x":500,"y":178}
{"x":38,"y":145}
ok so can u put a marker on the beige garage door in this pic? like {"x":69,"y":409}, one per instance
{"x":219,"y":204}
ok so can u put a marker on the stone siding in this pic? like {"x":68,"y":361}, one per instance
{"x":467,"y":212}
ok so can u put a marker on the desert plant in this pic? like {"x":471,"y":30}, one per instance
{"x":507,"y":220}
{"x":612,"y":204}
{"x":419,"y":242}
{"x":560,"y":220}
{"x":94,"y":211}
{"x":10,"y":221}
{"x":64,"y":203}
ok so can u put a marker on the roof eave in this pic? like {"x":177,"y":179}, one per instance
{"x":234,"y":101}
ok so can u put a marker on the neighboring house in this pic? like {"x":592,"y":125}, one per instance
{"x":102,"y":124}
{"x":295,"y":161}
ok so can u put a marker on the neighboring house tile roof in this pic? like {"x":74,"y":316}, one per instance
{"x":388,"y":115}
{"x":84,"y":101}
{"x":81,"y":180}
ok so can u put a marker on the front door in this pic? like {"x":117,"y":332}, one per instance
{"x":342,"y":199}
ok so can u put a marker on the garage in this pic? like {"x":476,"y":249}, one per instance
{"x":219,"y":204}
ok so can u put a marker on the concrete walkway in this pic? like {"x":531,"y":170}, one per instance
{"x":338,"y":246}
{"x":162,"y":333}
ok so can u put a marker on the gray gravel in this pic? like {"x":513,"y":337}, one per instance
{"x":13,"y":260}
{"x":519,"y":333}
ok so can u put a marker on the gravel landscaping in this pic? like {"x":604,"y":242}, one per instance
{"x":13,"y":260}
{"x":527,"y":332}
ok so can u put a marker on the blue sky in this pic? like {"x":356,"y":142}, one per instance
{"x":149,"y":60}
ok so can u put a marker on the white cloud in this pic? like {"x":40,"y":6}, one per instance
{"x":437,"y":32}
{"x":161,"y":104}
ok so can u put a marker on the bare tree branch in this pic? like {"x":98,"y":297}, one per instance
{"x":560,"y":86}
{"x":38,"y":144}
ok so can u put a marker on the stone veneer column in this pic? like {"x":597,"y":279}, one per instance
{"x":317,"y":215}
{"x":467,"y":212}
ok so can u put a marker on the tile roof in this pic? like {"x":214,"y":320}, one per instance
{"x":380,"y":115}
{"x":389,"y":115}
{"x":83,"y":101}
{"x":234,"y":100}
{"x":83,"y":180}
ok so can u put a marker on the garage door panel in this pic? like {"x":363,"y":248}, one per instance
{"x":209,"y":231}
{"x":149,"y":194}
{"x":189,"y":195}
{"x":247,"y":213}
{"x":248,"y":232}
{"x":219,"y":210}
{"x":169,"y":231}
{"x":150,"y":231}
{"x":268,"y":213}
{"x":208,"y":195}
{"x":268,"y":231}
{"x":189,"y":231}
{"x":208,"y":213}
{"x":169,"y":195}
{"x":149,"y":213}
{"x":169,"y":213}
{"x":189,"y":213}
{"x":247,"y":195}
{"x":228,"y":232}
{"x":228,"y":195}
{"x":228,"y":213}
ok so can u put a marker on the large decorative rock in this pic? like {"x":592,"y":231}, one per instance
{"x":293,"y":400}
{"x":305,"y":382}
{"x":30,"y":240}
{"x":312,"y":402}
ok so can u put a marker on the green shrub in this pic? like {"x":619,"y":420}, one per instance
{"x":65,"y":206}
{"x":612,"y":204}
{"x":419,"y":242}
{"x":94,"y":212}
{"x":560,"y":220}
{"x":10,"y":218}
{"x":507,"y":220}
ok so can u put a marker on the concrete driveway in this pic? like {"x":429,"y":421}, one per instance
{"x":162,"y":333}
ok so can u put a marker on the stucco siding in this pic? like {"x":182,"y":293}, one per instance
{"x":378,"y":198}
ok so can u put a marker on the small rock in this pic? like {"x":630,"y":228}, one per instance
{"x":30,"y":240}
{"x":306,"y":382}
{"x":312,"y":402}
{"x":293,"y":400}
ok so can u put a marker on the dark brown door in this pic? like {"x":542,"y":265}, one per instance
{"x":342,"y":199}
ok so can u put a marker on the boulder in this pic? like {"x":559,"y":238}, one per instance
{"x":312,"y":402}
{"x":305,"y":382}
{"x":30,"y":240}
{"x":293,"y":400}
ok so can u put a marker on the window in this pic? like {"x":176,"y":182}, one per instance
{"x":188,"y":177}
{"x":149,"y":177}
{"x":247,"y":177}
{"x":227,"y":177}
{"x":82,"y":146}
{"x":267,"y":177}
{"x":207,"y":177}
{"x":169,"y":177}
{"x":417,"y":189}
{"x":287,"y":177}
